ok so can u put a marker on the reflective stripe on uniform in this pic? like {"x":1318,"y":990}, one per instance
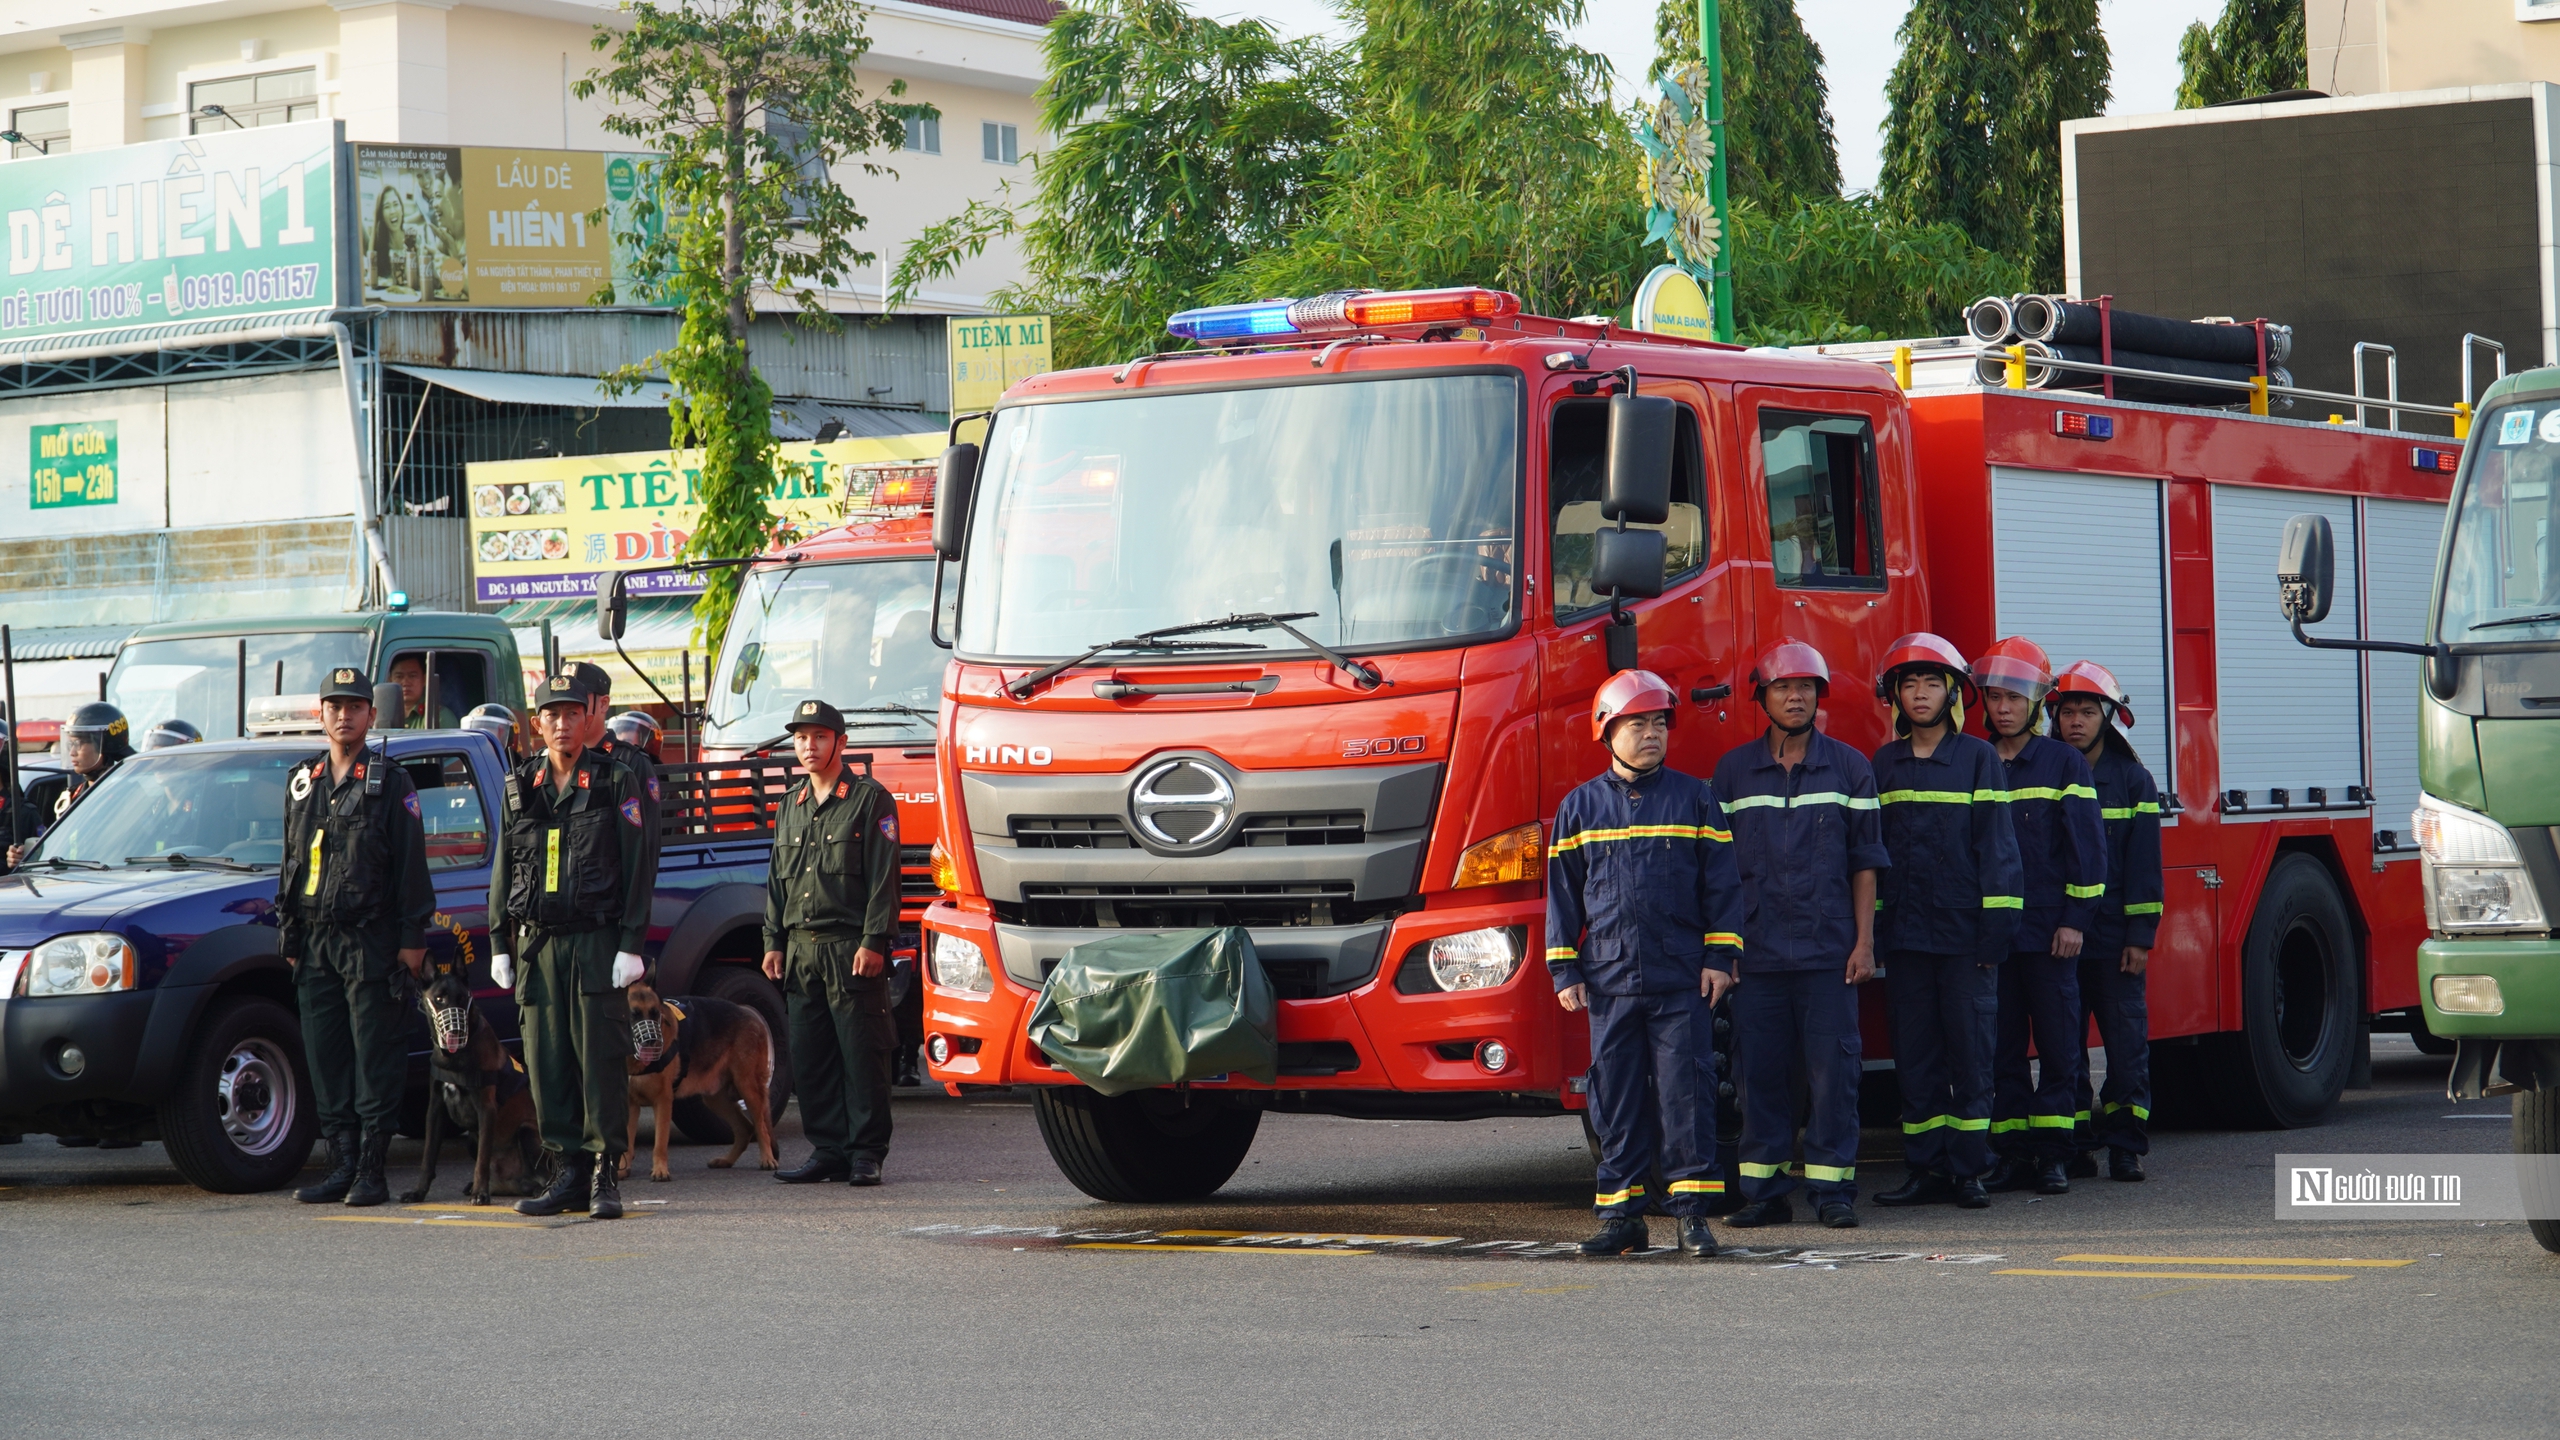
{"x":2084,"y":892}
{"x":2147,"y":807}
{"x":1947,"y":1122}
{"x":1754,"y":1170}
{"x":2007,"y":1127}
{"x":2147,"y":907}
{"x":2139,"y":1112}
{"x":1724,"y":937}
{"x":1620,"y":1198}
{"x":1697,"y":1187}
{"x":1563,"y":952}
{"x":551,"y":861}
{"x":2048,"y":792}
{"x":1580,"y":838}
{"x":1792,"y":802}
{"x":312,"y":885}
{"x":2049,"y":1122}
{"x":1830,"y":1172}
{"x":2003,"y":902}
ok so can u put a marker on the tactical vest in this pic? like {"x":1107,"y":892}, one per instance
{"x":564,"y":863}
{"x":337,"y":848}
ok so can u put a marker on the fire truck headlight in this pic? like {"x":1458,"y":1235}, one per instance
{"x":1474,"y":959}
{"x":960,"y":965}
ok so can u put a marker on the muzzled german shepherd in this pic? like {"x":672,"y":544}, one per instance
{"x":690,"y":1047}
{"x":481,"y":1088}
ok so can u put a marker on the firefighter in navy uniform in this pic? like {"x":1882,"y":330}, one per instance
{"x":571,"y":888}
{"x":830,"y":918}
{"x":353,"y":900}
{"x":1945,"y":915}
{"x":1809,"y":842}
{"x":2091,"y":713}
{"x":2062,"y":852}
{"x":1644,"y":919}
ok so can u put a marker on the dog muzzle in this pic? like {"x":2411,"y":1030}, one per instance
{"x":648,"y":1039}
{"x":453,"y":1028}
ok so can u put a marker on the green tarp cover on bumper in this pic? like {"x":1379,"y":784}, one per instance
{"x":1135,"y":1011}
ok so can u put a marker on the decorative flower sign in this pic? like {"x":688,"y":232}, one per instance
{"x":1680,"y":151}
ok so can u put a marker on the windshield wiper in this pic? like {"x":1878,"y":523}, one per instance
{"x":888,"y":707}
{"x":58,"y":863}
{"x":1159,"y":640}
{"x":2537,"y":618}
{"x":181,"y":860}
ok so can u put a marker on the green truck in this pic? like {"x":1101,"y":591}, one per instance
{"x":237,"y":676}
{"x":2488,"y":822}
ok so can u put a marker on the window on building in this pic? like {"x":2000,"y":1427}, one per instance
{"x":1825,"y":531}
{"x":924,"y":134}
{"x":1577,"y":474}
{"x":1000,"y":143}
{"x":789,"y":132}
{"x":279,"y":97}
{"x":47,"y":128}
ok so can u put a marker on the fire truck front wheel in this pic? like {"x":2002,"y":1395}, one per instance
{"x":2299,"y":994}
{"x":1149,"y":1147}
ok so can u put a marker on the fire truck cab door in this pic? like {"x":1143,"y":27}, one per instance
{"x":1686,"y":635}
{"x":1815,"y":462}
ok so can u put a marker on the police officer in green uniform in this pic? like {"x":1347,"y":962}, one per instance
{"x":352,"y":900}
{"x":830,"y":916}
{"x":571,"y":886}
{"x":602,"y":740}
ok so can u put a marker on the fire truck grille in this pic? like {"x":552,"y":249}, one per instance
{"x":1109,"y":832}
{"x":1187,"y":907}
{"x":1318,"y":828}
{"x":1070,"y":832}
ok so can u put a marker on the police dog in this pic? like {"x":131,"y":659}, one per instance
{"x":694,"y":1046}
{"x":478,"y":1087}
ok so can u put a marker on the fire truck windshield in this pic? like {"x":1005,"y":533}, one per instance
{"x":2502,"y":572}
{"x":853,"y":634}
{"x":1386,"y":507}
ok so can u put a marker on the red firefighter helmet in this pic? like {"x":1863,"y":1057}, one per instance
{"x":2088,"y":677}
{"x":1631,"y":692}
{"x":1790,"y":660}
{"x":2016,"y":664}
{"x":1922,"y":653}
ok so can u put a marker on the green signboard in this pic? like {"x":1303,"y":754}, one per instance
{"x":72,"y":464}
{"x":210,"y":227}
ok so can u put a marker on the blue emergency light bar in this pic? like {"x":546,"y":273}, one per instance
{"x":1342,"y":313}
{"x":2081,"y":425}
{"x":2443,"y":462}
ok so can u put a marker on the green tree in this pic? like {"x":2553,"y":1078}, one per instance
{"x":2256,"y":48}
{"x":1956,"y":80}
{"x":1778,"y":141}
{"x":1480,"y":146}
{"x":2062,"y":75}
{"x":751,"y":103}
{"x":1184,"y":146}
{"x":1842,"y":269}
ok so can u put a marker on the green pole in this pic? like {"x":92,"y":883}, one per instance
{"x":1720,"y":280}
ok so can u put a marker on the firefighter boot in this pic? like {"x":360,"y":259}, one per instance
{"x":2123,"y":1165}
{"x":1925,"y":1187}
{"x":2049,"y":1179}
{"x":1696,"y":1240}
{"x":1773,"y":1211}
{"x":1970,"y":1194}
{"x":1618,"y":1235}
{"x":369,"y":1188}
{"x":568,"y":1187}
{"x":332,"y":1187}
{"x":605,"y":1194}
{"x":2082,"y":1165}
{"x":2011,"y":1175}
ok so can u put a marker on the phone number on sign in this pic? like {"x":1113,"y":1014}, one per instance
{"x":227,"y":289}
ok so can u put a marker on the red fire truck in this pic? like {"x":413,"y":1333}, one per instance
{"x":1300,"y":633}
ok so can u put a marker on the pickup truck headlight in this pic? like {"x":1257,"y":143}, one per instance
{"x":77,"y":965}
{"x":960,"y":965}
{"x":2475,"y":879}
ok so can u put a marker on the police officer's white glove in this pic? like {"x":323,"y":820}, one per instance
{"x":626,"y":968}
{"x":502,"y":969}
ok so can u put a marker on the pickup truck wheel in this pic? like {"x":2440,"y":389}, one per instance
{"x":239,"y":1118}
{"x":1143,"y":1148}
{"x":2537,"y":1132}
{"x":746,"y":986}
{"x":2298,"y":996}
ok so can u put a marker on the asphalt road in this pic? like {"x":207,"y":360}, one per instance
{"x":977,"y":1294}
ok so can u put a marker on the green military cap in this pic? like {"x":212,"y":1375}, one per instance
{"x":566,"y":688}
{"x":816,"y":713}
{"x":346,"y":682}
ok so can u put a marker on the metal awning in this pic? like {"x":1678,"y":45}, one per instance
{"x":507,"y":387}
{"x":29,"y":643}
{"x":797,"y":418}
{"x":658,"y":630}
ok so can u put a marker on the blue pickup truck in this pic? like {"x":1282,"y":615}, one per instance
{"x":142,"y":996}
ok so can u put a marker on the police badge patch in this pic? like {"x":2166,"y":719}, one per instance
{"x":411,"y":801}
{"x":631,"y":811}
{"x":889,"y":827}
{"x":653,"y":787}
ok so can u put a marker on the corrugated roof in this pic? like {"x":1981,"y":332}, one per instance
{"x":1028,"y":12}
{"x":65,"y":642}
{"x":797,"y":417}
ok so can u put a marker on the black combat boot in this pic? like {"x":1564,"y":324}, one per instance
{"x":2010,"y":1175}
{"x":332,"y":1187}
{"x":1618,"y":1235}
{"x":1969,"y":1194}
{"x":2050,"y":1180}
{"x":1925,"y":1187}
{"x":568,"y":1188}
{"x":369,"y":1187}
{"x":1696,"y":1240}
{"x":1772,"y":1211}
{"x":604,"y":1196}
{"x":2123,"y":1165}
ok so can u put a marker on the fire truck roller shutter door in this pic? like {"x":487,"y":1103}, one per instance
{"x":2291,"y":718}
{"x":2079,"y":572}
{"x":2400,"y":539}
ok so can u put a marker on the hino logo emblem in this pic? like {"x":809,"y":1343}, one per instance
{"x":1182,"y":803}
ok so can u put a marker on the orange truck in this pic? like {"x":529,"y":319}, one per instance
{"x":1299,"y":631}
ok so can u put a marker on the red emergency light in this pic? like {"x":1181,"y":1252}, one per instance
{"x":2442,"y":462}
{"x":913,"y":490}
{"x":2081,"y":425}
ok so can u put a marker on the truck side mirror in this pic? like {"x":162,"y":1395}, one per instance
{"x":1627,"y":564}
{"x":390,"y":707}
{"x":1641,"y":428}
{"x":951,"y":493}
{"x":2306,"y":570}
{"x":613,"y":606}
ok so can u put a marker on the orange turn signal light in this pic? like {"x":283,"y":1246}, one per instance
{"x":946,"y":875}
{"x":1516,"y":854}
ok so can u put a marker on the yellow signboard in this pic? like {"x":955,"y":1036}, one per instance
{"x":461,"y":225}
{"x":991,"y":353}
{"x":1670,"y":303}
{"x":545,"y":529}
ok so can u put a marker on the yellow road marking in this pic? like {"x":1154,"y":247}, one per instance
{"x":2164,"y":1275}
{"x":1216,"y":1249}
{"x":2222,"y":1260}
{"x":1555,"y":1290}
{"x":1344,"y":1237}
{"x":403,"y":1220}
